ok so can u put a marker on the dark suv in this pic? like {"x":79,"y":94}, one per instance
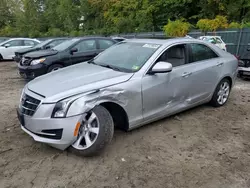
{"x":47,"y":44}
{"x":68,"y":53}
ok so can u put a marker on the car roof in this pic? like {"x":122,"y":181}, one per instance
{"x":162,"y":41}
{"x":210,"y":36}
{"x":22,"y":39}
{"x":91,"y":37}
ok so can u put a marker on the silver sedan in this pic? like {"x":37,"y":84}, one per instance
{"x":133,"y":83}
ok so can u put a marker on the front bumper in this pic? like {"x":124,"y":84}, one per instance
{"x":57,"y":132}
{"x":30,"y":72}
{"x":244,"y":71}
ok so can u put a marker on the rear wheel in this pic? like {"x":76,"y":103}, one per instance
{"x":221,"y":93}
{"x":95,"y":132}
{"x":54,"y":67}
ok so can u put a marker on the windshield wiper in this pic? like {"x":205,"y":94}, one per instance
{"x":111,"y":67}
{"x":106,"y":66}
{"x":92,"y":62}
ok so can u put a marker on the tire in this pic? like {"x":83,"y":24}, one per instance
{"x":54,"y":67}
{"x":1,"y":57}
{"x":103,"y":138}
{"x":220,"y":96}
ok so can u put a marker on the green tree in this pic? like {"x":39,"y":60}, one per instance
{"x":178,"y":28}
{"x":234,"y":25}
{"x":204,"y":25}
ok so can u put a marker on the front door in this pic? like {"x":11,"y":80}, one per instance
{"x":86,"y":50}
{"x":9,"y":51}
{"x":166,"y":93}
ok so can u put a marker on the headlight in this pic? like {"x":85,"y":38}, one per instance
{"x":37,"y":61}
{"x":241,"y":63}
{"x":61,"y":107}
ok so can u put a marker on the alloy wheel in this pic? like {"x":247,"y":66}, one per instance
{"x":88,"y":132}
{"x":223,"y":93}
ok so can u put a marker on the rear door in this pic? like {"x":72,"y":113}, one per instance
{"x":206,"y":67}
{"x":86,"y":50}
{"x":28,"y":44}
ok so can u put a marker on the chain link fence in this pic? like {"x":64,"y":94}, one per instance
{"x":237,"y":40}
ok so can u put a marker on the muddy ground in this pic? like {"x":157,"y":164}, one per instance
{"x":204,"y":147}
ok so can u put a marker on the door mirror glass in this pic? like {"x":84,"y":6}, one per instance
{"x":73,"y":50}
{"x":7,"y":45}
{"x":161,"y":67}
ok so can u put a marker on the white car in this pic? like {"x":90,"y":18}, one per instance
{"x":8,"y":48}
{"x":216,"y":40}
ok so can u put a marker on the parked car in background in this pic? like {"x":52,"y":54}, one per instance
{"x":128,"y":85}
{"x":244,"y":64}
{"x":216,"y":40}
{"x":2,"y":39}
{"x":47,"y":44}
{"x":8,"y":48}
{"x":118,"y":39}
{"x":70,"y":52}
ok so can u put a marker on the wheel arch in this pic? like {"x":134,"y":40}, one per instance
{"x":230,"y":80}
{"x":55,"y":63}
{"x":118,"y":114}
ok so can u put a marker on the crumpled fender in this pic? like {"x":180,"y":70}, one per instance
{"x":88,"y":101}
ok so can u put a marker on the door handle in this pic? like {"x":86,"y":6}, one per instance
{"x":186,"y":74}
{"x":219,"y":64}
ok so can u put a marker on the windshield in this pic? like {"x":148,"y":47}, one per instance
{"x":64,"y":45}
{"x":126,"y":56}
{"x":44,"y":43}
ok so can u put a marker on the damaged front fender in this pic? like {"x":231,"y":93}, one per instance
{"x":88,"y":101}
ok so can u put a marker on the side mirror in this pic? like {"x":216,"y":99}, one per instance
{"x":7,"y":45}
{"x":161,"y":67}
{"x":73,"y":50}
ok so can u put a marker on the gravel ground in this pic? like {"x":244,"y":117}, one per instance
{"x":204,"y":147}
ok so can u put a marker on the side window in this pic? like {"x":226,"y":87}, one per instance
{"x":15,"y":43}
{"x":174,"y":55}
{"x":86,"y":45}
{"x":201,"y":52}
{"x":104,"y":44}
{"x":218,"y":40}
{"x":29,"y":43}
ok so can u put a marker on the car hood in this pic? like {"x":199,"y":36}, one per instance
{"x":25,"y":50}
{"x":77,"y":79}
{"x":40,"y":53}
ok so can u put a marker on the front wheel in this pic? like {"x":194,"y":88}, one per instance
{"x":221,"y":93}
{"x":95,"y":132}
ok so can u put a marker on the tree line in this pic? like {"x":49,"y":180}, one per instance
{"x":44,"y":18}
